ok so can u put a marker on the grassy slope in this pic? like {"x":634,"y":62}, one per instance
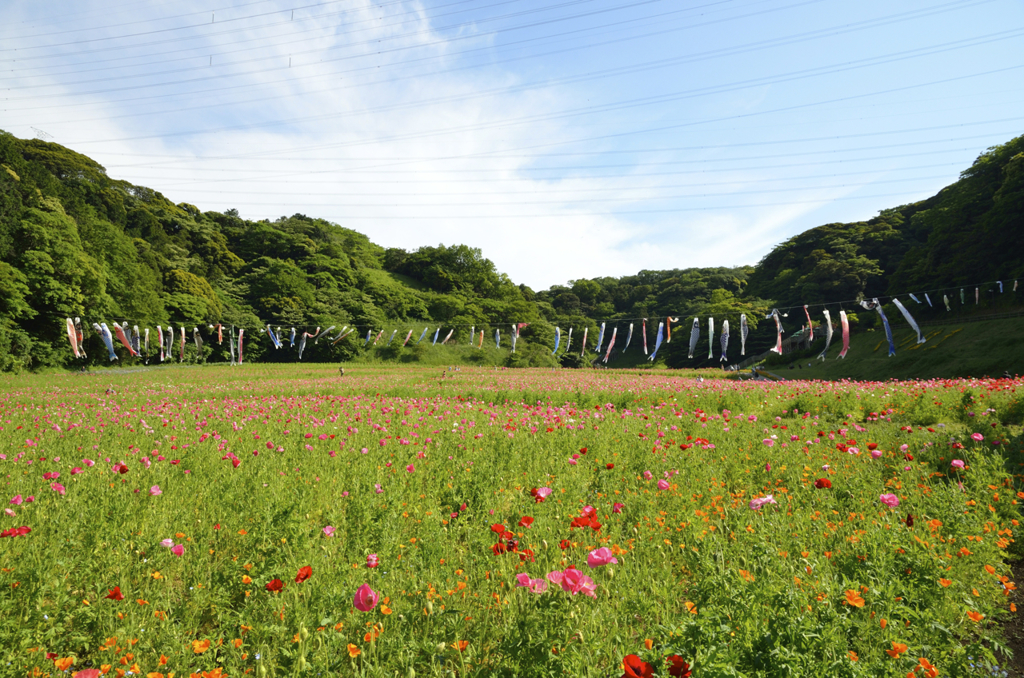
{"x":985,"y":348}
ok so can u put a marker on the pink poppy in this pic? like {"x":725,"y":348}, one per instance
{"x":410,"y":468}
{"x":617,"y":507}
{"x":573,"y":581}
{"x":890,"y":500}
{"x":167,"y":543}
{"x":662,"y":484}
{"x":371,"y":560}
{"x":601,"y":556}
{"x":534,"y":585}
{"x":178,"y":550}
{"x":365,"y":598}
{"x":58,"y":488}
{"x":957,"y":463}
{"x":977,"y":437}
{"x":17,"y":500}
{"x":329,"y":531}
{"x":155,"y":491}
{"x":756,"y":504}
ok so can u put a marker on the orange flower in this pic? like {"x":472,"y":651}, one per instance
{"x":200,"y":646}
{"x":897,"y":650}
{"x":691,"y":608}
{"x":246,"y":579}
{"x":746,"y":575}
{"x":385,"y":609}
{"x":163,"y":660}
{"x":339,"y":626}
{"x":927,"y":669}
{"x":648,"y":643}
{"x":853,"y":598}
{"x":945,"y":582}
{"x":64,"y":663}
{"x":990,"y":569}
{"x":853,"y":656}
{"x":154,"y":674}
{"x":353,"y":651}
{"x":237,"y":642}
{"x":460,"y":645}
{"x":883,"y":623}
{"x":975,"y":616}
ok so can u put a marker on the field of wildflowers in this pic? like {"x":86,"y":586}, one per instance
{"x":283,"y":521}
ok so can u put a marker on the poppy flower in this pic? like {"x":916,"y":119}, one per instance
{"x":853,"y":599}
{"x":274,"y":585}
{"x":609,"y":466}
{"x":499,"y":549}
{"x":539,"y":494}
{"x":601,"y":556}
{"x":304,"y":573}
{"x":525,"y":521}
{"x":114,"y":594}
{"x":371,"y":560}
{"x":365,"y":598}
{"x":498,"y":528}
{"x":16,"y":531}
{"x":910,"y":520}
{"x":353,"y":651}
{"x":677,"y":666}
{"x":88,"y":673}
{"x":573,"y":581}
{"x":617,"y":507}
{"x":823,"y":484}
{"x":564,"y":544}
{"x":890,"y":500}
{"x":634,"y":667}
{"x":897,"y":650}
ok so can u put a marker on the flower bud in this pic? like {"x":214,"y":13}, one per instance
{"x":430,"y":607}
{"x":411,"y":674}
{"x":303,"y":633}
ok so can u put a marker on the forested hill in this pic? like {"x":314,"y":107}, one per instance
{"x":76,"y":242}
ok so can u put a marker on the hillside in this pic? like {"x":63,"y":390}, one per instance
{"x":975,"y":349}
{"x":76,"y":242}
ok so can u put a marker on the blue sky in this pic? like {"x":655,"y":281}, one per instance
{"x":566,"y":139}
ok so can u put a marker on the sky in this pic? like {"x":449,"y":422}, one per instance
{"x":566,"y":139}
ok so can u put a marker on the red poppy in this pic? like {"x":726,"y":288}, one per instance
{"x":872,"y":446}
{"x":636,"y":668}
{"x":499,"y":548}
{"x":910,"y":520}
{"x":497,"y":528}
{"x":274,"y":585}
{"x":580,"y":521}
{"x":908,"y":457}
{"x":583,"y":450}
{"x":823,"y":484}
{"x":610,"y":467}
{"x":677,"y":667}
{"x":115,"y":594}
{"x":16,"y":531}
{"x":526,"y":556}
{"x":305,"y":572}
{"x":525,"y":521}
{"x":564,"y":544}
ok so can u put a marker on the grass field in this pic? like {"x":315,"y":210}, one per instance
{"x":284,"y":521}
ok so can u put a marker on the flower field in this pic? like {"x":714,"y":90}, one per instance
{"x":284,"y":521}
